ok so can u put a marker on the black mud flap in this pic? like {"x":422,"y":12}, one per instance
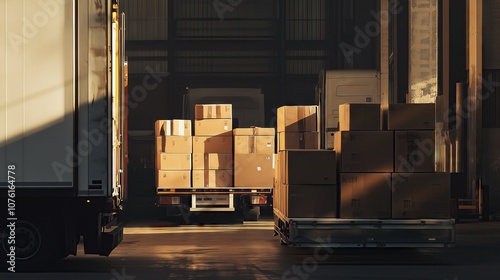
{"x":110,"y":240}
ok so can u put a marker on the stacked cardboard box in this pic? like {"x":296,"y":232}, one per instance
{"x":365,"y":162}
{"x":306,"y":184}
{"x":253,"y":157}
{"x":213,"y":146}
{"x":418,"y":191}
{"x":298,"y":127}
{"x":173,"y":153}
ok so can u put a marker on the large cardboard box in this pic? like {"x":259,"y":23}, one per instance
{"x":212,"y":178}
{"x":163,"y":128}
{"x":411,"y":116}
{"x":166,"y":161}
{"x":308,"y":167}
{"x":213,"y":127}
{"x":365,"y":195}
{"x":213,"y":111}
{"x":174,"y":144}
{"x":309,"y":201}
{"x":365,"y":151}
{"x":298,"y":140}
{"x":254,"y":144}
{"x":297,"y":118}
{"x":421,"y":196}
{"x":173,"y":178}
{"x":414,"y":151}
{"x":212,"y":161}
{"x":215,"y":144}
{"x":253,"y":170}
{"x":359,"y":117}
{"x":181,"y":127}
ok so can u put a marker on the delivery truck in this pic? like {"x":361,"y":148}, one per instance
{"x":380,"y":188}
{"x":222,"y":169}
{"x":62,"y":129}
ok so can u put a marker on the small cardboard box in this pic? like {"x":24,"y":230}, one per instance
{"x":163,"y":128}
{"x":167,"y":161}
{"x":213,"y":111}
{"x":308,"y":167}
{"x":365,"y":151}
{"x":174,"y":144}
{"x":298,"y":140}
{"x":212,"y":178}
{"x":214,"y":144}
{"x":365,"y":195}
{"x":173,"y":179}
{"x":213,"y":127}
{"x":297,"y":118}
{"x":421,"y":195}
{"x":181,"y":127}
{"x":212,"y":161}
{"x":414,"y":151}
{"x":411,"y":116}
{"x":309,"y":201}
{"x":254,"y":144}
{"x":359,"y":117}
{"x":253,"y":170}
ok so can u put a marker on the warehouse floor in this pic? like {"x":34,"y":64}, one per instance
{"x":250,"y":251}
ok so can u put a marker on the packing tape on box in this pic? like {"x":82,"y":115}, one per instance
{"x":301,"y":118}
{"x":302,"y":140}
{"x":251,"y":144}
{"x":206,"y":178}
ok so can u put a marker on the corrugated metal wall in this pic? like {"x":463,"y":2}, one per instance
{"x":277,"y":45}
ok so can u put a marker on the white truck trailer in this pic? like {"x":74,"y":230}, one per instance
{"x":336,"y":87}
{"x":246,"y":203}
{"x":61,"y":129}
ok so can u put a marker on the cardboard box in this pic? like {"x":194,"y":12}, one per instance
{"x":163,"y":128}
{"x":212,"y":178}
{"x":365,"y":195}
{"x":254,"y":131}
{"x":208,"y":145}
{"x":411,"y":116}
{"x":173,"y":178}
{"x":213,"y":111}
{"x":309,"y":201}
{"x":253,"y":170}
{"x":297,"y":118}
{"x":365,"y":151}
{"x":254,"y":145}
{"x":212,"y":161}
{"x":213,"y":127}
{"x":421,"y":196}
{"x":173,"y":161}
{"x":298,"y":140}
{"x":308,"y":167}
{"x":174,"y":144}
{"x":359,"y":117}
{"x":414,"y":151}
{"x":181,"y":127}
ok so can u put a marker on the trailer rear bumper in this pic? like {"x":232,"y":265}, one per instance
{"x":359,"y":233}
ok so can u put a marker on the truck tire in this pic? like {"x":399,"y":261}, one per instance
{"x":251,"y":213}
{"x":35,"y":245}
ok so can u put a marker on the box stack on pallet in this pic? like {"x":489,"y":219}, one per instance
{"x":365,"y":162}
{"x":173,"y":153}
{"x":390,"y":174}
{"x":254,"y":157}
{"x":213,"y":146}
{"x":305,"y":179}
{"x":418,"y":191}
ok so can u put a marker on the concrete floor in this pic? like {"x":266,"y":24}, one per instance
{"x":154,"y":250}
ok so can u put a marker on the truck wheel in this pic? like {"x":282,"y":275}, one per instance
{"x":35,"y":246}
{"x":251,"y":213}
